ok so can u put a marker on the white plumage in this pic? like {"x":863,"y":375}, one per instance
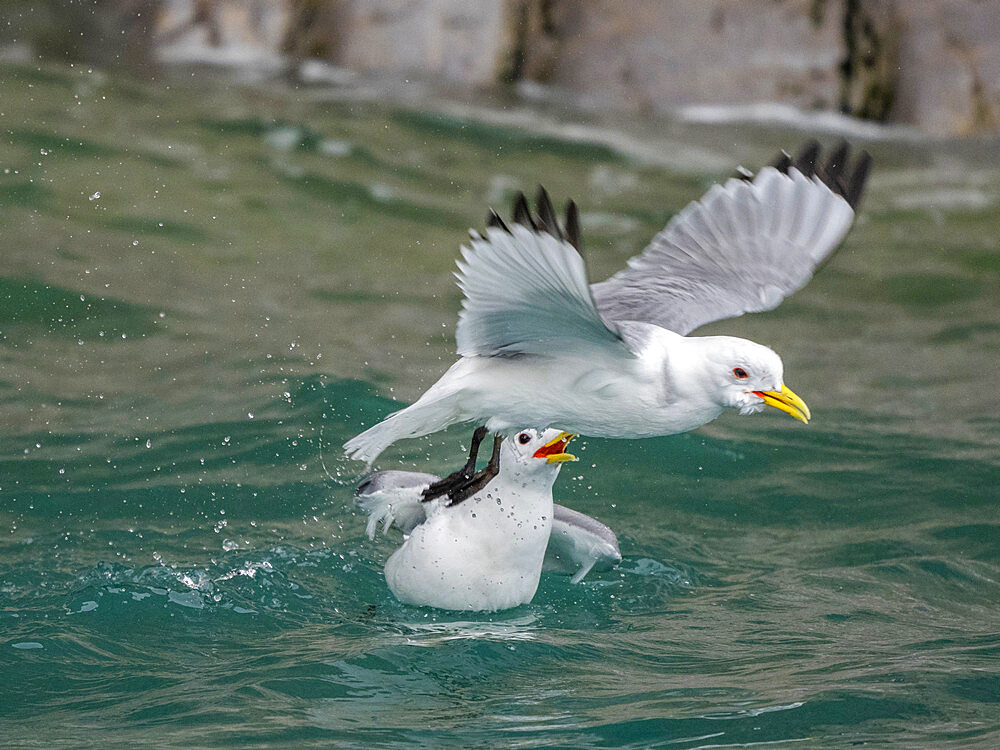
{"x":540,"y":347}
{"x":487,"y":552}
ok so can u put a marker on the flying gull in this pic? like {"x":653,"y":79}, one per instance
{"x":539,"y":346}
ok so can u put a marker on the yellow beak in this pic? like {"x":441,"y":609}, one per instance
{"x":554,"y":451}
{"x":786,"y":401}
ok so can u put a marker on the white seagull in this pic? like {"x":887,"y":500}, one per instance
{"x":488,"y":551}
{"x":539,"y":346}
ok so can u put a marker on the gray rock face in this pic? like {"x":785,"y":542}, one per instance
{"x":934,"y":64}
{"x":649,"y":55}
{"x":949,"y":59}
{"x":452,"y":39}
{"x":234,"y":32}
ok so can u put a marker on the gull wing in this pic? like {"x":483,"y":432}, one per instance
{"x":393,"y":498}
{"x":578,"y":543}
{"x":526,"y":292}
{"x":743,"y":247}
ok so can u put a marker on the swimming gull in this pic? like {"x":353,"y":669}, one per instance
{"x":487,"y":551}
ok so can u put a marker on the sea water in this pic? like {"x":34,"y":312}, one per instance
{"x":206,"y":288}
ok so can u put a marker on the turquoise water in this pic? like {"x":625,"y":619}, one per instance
{"x":204,"y":290}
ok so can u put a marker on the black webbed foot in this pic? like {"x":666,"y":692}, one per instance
{"x":462,"y":484}
{"x":480,"y":479}
{"x":456,"y":478}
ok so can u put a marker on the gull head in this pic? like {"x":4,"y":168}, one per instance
{"x":531,"y":454}
{"x":748,"y":377}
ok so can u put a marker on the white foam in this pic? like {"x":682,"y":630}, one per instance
{"x":249,"y":59}
{"x":777,"y":113}
{"x":317,"y":71}
{"x":946,"y":198}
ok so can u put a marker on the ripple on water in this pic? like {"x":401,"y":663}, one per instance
{"x":181,"y":563}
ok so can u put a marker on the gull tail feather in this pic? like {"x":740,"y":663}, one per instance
{"x":429,"y":414}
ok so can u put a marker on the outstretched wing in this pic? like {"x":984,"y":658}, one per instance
{"x":526,"y":292}
{"x":742,"y":248}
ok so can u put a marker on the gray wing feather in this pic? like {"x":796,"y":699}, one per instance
{"x":743,"y":247}
{"x":578,"y":543}
{"x":526,"y":292}
{"x":394,"y":498}
{"x":395,"y":480}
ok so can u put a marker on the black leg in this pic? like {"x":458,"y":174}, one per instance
{"x":463,"y":475}
{"x":480,"y":479}
{"x":466,"y":482}
{"x":494,"y":464}
{"x":477,"y":438}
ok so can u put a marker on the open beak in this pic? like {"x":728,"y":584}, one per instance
{"x":786,"y":401}
{"x":555,"y":450}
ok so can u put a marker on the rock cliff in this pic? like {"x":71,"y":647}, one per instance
{"x":933,"y":64}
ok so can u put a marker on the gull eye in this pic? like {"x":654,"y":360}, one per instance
{"x":524,"y":438}
{"x":740,"y":374}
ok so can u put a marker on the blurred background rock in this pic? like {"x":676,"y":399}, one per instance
{"x":932,"y":64}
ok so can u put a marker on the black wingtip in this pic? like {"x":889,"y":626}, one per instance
{"x":547,"y":221}
{"x":782,"y":162}
{"x":858,"y":179}
{"x":522,"y":214}
{"x":834,"y":165}
{"x":805,"y":162}
{"x":494,"y":220}
{"x":573,"y":235}
{"x":834,"y":171}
